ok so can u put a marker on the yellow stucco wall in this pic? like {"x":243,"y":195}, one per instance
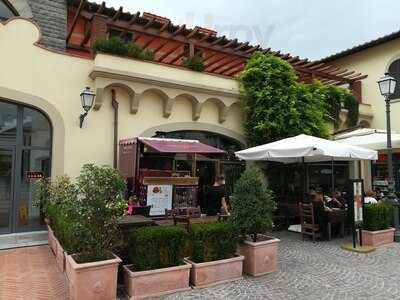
{"x":52,"y":82}
{"x":374,"y":62}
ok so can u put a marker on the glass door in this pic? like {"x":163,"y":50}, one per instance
{"x":7,"y":155}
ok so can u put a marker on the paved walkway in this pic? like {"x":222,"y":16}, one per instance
{"x":316,"y":271}
{"x":306,"y":271}
{"x":30,"y":274}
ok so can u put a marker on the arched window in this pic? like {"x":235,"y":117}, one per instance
{"x":6,"y":10}
{"x":394,"y":70}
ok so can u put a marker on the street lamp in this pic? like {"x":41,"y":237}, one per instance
{"x":87,"y":99}
{"x":387,"y":86}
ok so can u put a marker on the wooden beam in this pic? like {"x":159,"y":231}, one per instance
{"x":176,"y":58}
{"x":160,"y":47}
{"x":88,"y":33}
{"x":216,"y":65}
{"x":192,"y":33}
{"x":302,"y":61}
{"x":213,"y":54}
{"x":228,"y":44}
{"x":316,"y":66}
{"x":165,"y":26}
{"x":149,"y":41}
{"x":134,"y":19}
{"x":265,"y":51}
{"x":179,"y":30}
{"x":251,"y":50}
{"x":347,"y":73}
{"x":241,"y":46}
{"x":204,"y":38}
{"x":166,"y":54}
{"x":135,"y":37}
{"x":75,"y":19}
{"x":206,"y":65}
{"x":293,"y":59}
{"x":149,"y":23}
{"x":234,"y":70}
{"x":218,"y":40}
{"x":227,"y":66}
{"x":117,"y":14}
{"x":101,"y":8}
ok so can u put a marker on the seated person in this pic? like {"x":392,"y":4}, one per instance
{"x":320,"y":216}
{"x":132,"y":204}
{"x":370,"y":198}
{"x":335,"y":201}
{"x":217,"y":198}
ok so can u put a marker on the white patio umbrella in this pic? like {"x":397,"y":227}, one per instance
{"x":305,"y":148}
{"x":368,"y":138}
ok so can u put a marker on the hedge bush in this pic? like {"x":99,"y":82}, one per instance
{"x":157,"y":247}
{"x":115,"y":45}
{"x":378,"y":216}
{"x":194,"y":63}
{"x":212,"y":241}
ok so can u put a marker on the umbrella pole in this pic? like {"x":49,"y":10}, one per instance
{"x":333,"y":176}
{"x":304,"y":179}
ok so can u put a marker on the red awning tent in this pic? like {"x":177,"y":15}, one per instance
{"x":165,"y":145}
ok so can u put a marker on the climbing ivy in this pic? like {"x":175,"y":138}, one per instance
{"x":278,"y":106}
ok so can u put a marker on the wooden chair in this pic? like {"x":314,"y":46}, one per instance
{"x":170,"y":213}
{"x":185,"y":215}
{"x":307,"y":221}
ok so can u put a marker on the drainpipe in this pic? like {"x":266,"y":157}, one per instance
{"x":114,"y":104}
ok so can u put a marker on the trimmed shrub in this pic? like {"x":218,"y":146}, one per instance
{"x":378,"y":216}
{"x":212,"y":241}
{"x":157,"y":247}
{"x":252,"y":204}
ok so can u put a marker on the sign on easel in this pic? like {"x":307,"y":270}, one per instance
{"x":356,"y":188}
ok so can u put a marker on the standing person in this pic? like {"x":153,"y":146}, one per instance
{"x":217,"y":198}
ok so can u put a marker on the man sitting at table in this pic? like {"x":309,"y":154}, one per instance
{"x":335,"y":201}
{"x":217,"y":198}
{"x":320,"y":213}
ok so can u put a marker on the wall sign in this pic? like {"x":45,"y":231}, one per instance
{"x":33,"y":175}
{"x":160,"y":198}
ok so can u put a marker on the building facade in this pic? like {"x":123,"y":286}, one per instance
{"x":47,"y":59}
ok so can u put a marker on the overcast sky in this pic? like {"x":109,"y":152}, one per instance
{"x":308,"y":28}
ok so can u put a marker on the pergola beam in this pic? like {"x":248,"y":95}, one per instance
{"x":75,"y":19}
{"x":166,"y":54}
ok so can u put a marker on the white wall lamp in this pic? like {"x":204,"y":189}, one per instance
{"x":87,"y":100}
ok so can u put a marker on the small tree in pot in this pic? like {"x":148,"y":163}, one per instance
{"x":252,"y":209}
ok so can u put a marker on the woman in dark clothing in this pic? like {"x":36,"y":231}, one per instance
{"x":320,"y":214}
{"x":217,"y":198}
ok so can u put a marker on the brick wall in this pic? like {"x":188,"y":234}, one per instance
{"x":51,"y":15}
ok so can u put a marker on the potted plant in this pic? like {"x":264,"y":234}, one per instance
{"x":213,"y":254}
{"x":54,"y":199}
{"x":252,"y":208}
{"x":377,"y":221}
{"x":157,"y":257}
{"x":92,"y":269}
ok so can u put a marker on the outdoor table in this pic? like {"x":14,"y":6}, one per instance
{"x":185,"y":219}
{"x":336,"y":216}
{"x":135,"y":221}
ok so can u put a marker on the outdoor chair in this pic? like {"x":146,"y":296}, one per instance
{"x":144,"y":211}
{"x":307,"y":221}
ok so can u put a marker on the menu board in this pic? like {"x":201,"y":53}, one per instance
{"x":160,"y":198}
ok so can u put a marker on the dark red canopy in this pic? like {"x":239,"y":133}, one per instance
{"x":179,"y":146}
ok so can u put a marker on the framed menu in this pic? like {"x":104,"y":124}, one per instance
{"x":160,"y":198}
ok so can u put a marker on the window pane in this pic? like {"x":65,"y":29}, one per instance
{"x":8,"y":123}
{"x":394,"y":70}
{"x":5,"y":11}
{"x":37,"y":130}
{"x":29,"y":217}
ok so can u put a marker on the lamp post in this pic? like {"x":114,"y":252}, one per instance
{"x":87,"y":99}
{"x":387,"y":86}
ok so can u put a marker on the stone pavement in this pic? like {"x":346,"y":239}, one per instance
{"x":316,"y":271}
{"x":30,"y":274}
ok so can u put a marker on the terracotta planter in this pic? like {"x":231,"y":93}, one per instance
{"x":94,"y":280}
{"x":60,"y":255}
{"x":215,"y":272}
{"x":154,"y":283}
{"x":51,"y":237}
{"x":378,"y":238}
{"x":260,"y":257}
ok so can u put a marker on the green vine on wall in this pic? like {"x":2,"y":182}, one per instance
{"x":278,"y":106}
